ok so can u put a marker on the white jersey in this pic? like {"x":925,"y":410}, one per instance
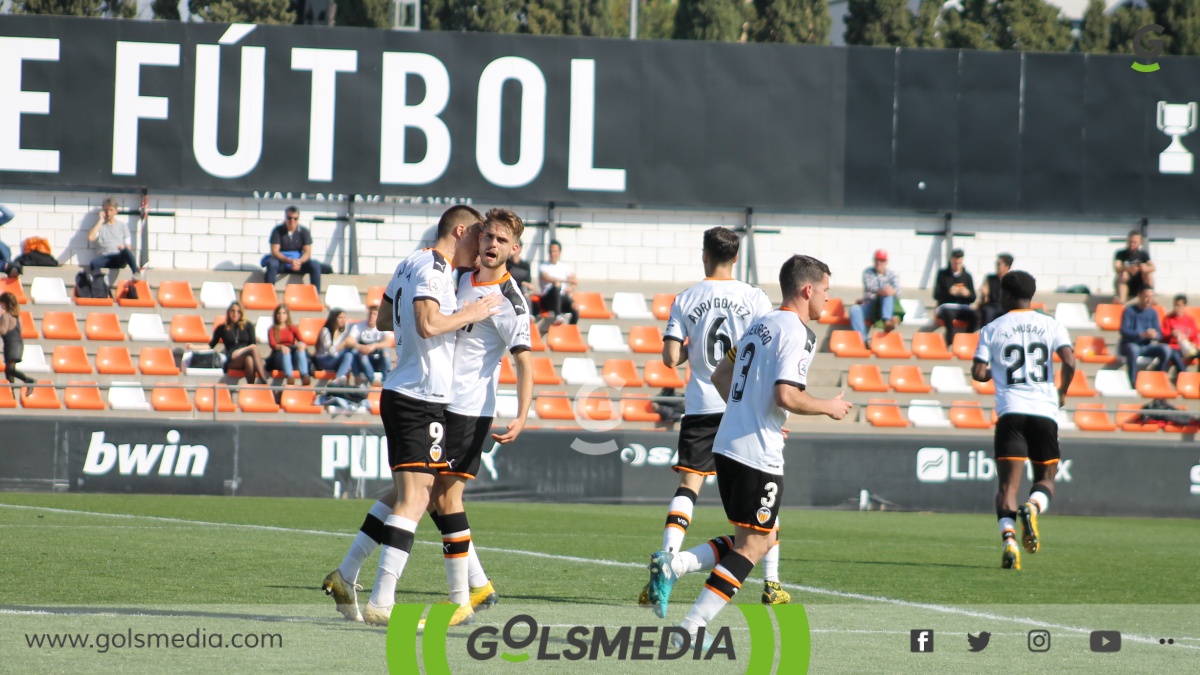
{"x":776,"y":349}
{"x":1020,"y":347}
{"x":424,"y":366}
{"x":712,"y":315}
{"x":480,"y":346}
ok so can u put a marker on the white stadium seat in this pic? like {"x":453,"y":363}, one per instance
{"x":927,"y":413}
{"x":217,"y":295}
{"x":507,"y":405}
{"x":914,"y":312}
{"x":1066,"y":421}
{"x":49,"y":291}
{"x":630,"y":306}
{"x":1073,"y":315}
{"x":147,"y":328}
{"x":949,"y":380}
{"x":606,"y":338}
{"x":127,"y":396}
{"x":1114,"y":384}
{"x":33,"y":360}
{"x":580,"y":371}
{"x":262,"y":329}
{"x":344,"y":297}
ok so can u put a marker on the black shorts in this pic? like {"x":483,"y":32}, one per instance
{"x":416,"y":432}
{"x":696,"y":436}
{"x":465,"y":438}
{"x":1027,"y":436}
{"x":751,"y":497}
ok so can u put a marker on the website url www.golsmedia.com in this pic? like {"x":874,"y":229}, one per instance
{"x":197,"y":639}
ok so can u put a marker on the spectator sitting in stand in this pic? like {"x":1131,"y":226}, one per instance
{"x":954,"y":292}
{"x":112,"y":242}
{"x":241,"y":351}
{"x":288,"y":353}
{"x":7,"y":265}
{"x":1133,"y":268}
{"x":880,"y":289}
{"x":333,"y":348}
{"x":370,"y":347}
{"x":1181,"y":334}
{"x":558,"y":285}
{"x":989,"y":294}
{"x":1141,"y":334}
{"x":520,"y":272}
{"x":291,"y":250}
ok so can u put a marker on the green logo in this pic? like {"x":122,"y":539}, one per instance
{"x":626,"y":643}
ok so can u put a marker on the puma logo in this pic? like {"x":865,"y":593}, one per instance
{"x":488,"y":459}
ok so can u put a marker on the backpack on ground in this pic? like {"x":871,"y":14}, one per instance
{"x":88,"y":285}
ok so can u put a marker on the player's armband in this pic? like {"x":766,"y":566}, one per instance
{"x":731,"y":354}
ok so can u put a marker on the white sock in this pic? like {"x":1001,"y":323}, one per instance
{"x":477,"y":577}
{"x":702,"y":557}
{"x":679,"y":516}
{"x":1041,"y":500}
{"x":455,"y":549}
{"x":771,"y":564}
{"x":1007,"y":525}
{"x":707,"y":606}
{"x":392,"y":560}
{"x":718,"y":591}
{"x":363,"y":545}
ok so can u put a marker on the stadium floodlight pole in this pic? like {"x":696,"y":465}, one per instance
{"x":633,"y":12}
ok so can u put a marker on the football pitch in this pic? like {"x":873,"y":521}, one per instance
{"x":114,"y":568}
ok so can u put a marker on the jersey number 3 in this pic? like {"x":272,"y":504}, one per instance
{"x":1038,"y":353}
{"x":739,"y":385}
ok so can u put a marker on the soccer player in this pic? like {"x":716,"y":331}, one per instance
{"x":477,"y":353}
{"x":1018,"y":350}
{"x":419,"y":304}
{"x":710,"y":316}
{"x":763,"y":381}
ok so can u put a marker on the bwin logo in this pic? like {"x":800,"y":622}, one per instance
{"x":129,"y":459}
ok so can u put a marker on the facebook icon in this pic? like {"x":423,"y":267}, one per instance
{"x":921,"y":640}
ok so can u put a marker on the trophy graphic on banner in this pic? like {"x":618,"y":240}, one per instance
{"x":1176,"y":120}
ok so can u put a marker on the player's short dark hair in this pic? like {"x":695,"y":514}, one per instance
{"x":508,"y":220}
{"x":554,"y":242}
{"x":454,"y":216}
{"x":799,"y":270}
{"x":1007,"y":259}
{"x":292,"y":209}
{"x":1018,"y":285}
{"x":1133,"y":232}
{"x":721,"y":245}
{"x":1180,"y":297}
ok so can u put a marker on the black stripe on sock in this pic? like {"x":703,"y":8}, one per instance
{"x":397,"y":538}
{"x":453,"y":522}
{"x":723,"y":545}
{"x":373,"y":528}
{"x":1038,"y":487}
{"x":451,"y":549}
{"x":721,"y":585}
{"x":687,"y":492}
{"x":678,"y":520}
{"x":437,"y":520}
{"x":737,"y":564}
{"x":1006,"y":514}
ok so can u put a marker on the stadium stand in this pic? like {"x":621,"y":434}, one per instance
{"x":631,"y":306}
{"x":176,"y":295}
{"x":49,"y":291}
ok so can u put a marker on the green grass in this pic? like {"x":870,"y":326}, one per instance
{"x":69,"y":569}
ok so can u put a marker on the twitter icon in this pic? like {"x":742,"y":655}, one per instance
{"x":980,"y":642}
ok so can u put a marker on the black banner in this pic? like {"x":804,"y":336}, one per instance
{"x":196,"y":107}
{"x":168,"y":457}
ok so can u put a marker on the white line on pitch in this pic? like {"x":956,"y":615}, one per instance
{"x":945,"y":609}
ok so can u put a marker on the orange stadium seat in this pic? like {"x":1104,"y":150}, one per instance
{"x":866,"y":377}
{"x":60,"y":326}
{"x":1108,"y":316}
{"x":591,"y":305}
{"x":375,"y":295}
{"x":885,"y":413}
{"x":82,"y":396}
{"x":257,"y":398}
{"x":1079,"y":387}
{"x":224,"y":401}
{"x":984,"y":388}
{"x":848,"y":344}
{"x":662,"y":305}
{"x":310,"y":330}
{"x":535,"y":338}
{"x":157,"y":361}
{"x":931,"y":346}
{"x":554,"y":406}
{"x":300,"y":401}
{"x":645,"y":340}
{"x":834,"y":312}
{"x":1188,"y":384}
{"x":565,"y":338}
{"x":1092,"y":349}
{"x":114,"y":361}
{"x":968,"y":415}
{"x":6,"y":396}
{"x":659,"y":376}
{"x":28,"y":327}
{"x":889,"y":346}
{"x":170,"y":399}
{"x":257,"y":296}
{"x":44,"y":397}
{"x":638,"y":409}
{"x":1092,"y":417}
{"x":373,"y":398}
{"x":508,"y":375}
{"x":1154,"y":384}
{"x":176,"y":295}
{"x":70,"y":359}
{"x":302,"y":298}
{"x":620,"y":373}
{"x":543,"y":371}
{"x":144,"y":299}
{"x":964,"y":345}
{"x":1129,"y":419}
{"x":13,"y":285}
{"x":103,"y":326}
{"x":1194,"y":312}
{"x":598,"y":407}
{"x":188,"y":328}
{"x":908,"y":380}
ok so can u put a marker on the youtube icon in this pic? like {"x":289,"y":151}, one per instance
{"x":1106,"y":641}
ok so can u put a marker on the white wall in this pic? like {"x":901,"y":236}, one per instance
{"x":618,"y":244}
